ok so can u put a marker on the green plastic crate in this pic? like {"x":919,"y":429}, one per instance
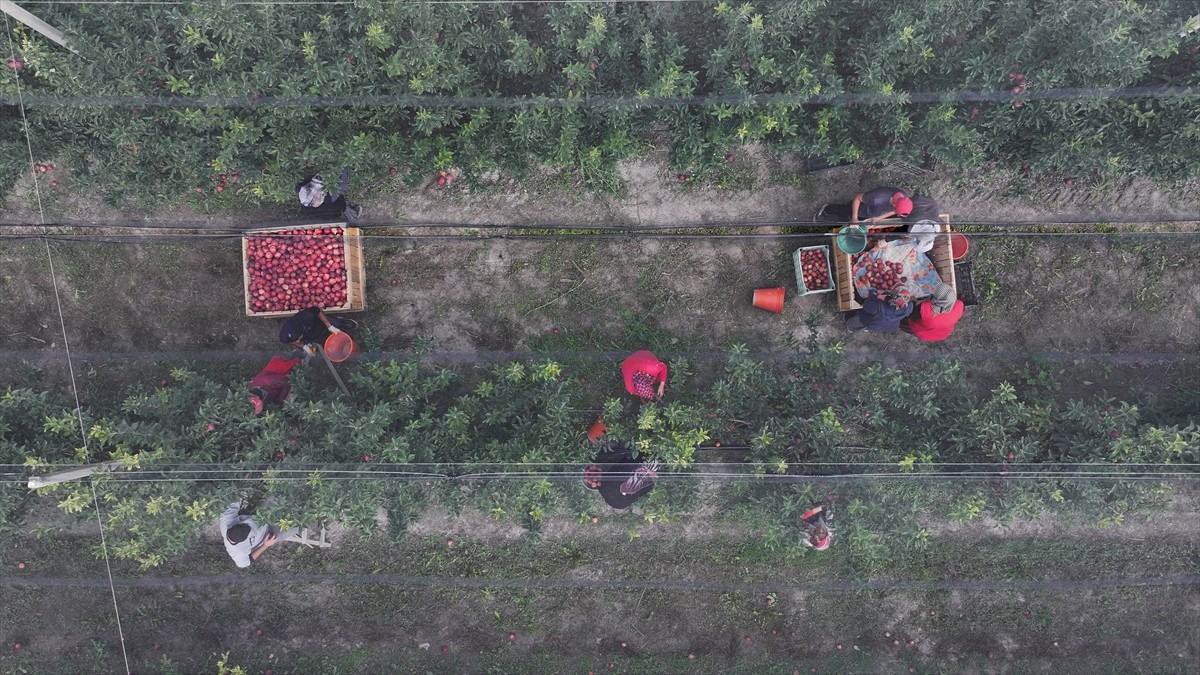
{"x":800,"y":274}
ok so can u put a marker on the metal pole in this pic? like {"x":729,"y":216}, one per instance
{"x":333,"y":371}
{"x":10,"y":8}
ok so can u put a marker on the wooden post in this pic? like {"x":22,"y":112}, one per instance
{"x":10,"y":8}
{"x":36,"y":482}
{"x":333,"y":371}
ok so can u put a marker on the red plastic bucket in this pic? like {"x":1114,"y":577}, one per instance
{"x":596,"y":431}
{"x":959,"y":245}
{"x":339,"y":347}
{"x":770,"y":299}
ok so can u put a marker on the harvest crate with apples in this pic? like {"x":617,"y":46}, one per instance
{"x":813,"y":271}
{"x":940,"y":255}
{"x":287,"y":269}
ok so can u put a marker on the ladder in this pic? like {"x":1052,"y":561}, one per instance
{"x":307,"y":540}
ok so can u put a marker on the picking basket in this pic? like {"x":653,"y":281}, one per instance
{"x":804,"y":290}
{"x":355,"y":272}
{"x":966,"y":284}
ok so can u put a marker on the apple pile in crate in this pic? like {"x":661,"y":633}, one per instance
{"x":295,"y":269}
{"x":883,"y":275}
{"x":815,"y":268}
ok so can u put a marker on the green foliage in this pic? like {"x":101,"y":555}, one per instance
{"x":585,"y":85}
{"x":310,"y":460}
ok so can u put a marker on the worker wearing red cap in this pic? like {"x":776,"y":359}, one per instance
{"x":871,"y":206}
{"x":645,"y":376}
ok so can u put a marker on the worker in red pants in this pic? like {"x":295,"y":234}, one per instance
{"x":645,"y":376}
{"x":271,"y":384}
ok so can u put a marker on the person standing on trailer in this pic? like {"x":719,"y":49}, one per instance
{"x":872,"y":206}
{"x":645,"y":376}
{"x":882,"y":312}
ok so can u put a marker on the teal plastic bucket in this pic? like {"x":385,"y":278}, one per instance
{"x":852,"y":239}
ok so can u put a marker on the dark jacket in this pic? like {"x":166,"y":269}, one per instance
{"x":879,"y":315}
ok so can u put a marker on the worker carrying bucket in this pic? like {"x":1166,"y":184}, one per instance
{"x":313,"y":326}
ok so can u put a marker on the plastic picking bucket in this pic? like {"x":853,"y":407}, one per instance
{"x":852,"y":239}
{"x":596,"y":431}
{"x":770,"y":299}
{"x":959,"y":245}
{"x":339,"y":347}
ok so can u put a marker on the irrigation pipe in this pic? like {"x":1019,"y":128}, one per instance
{"x":223,"y":580}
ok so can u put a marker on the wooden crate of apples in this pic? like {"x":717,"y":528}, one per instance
{"x":287,"y":269}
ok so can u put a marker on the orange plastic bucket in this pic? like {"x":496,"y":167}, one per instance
{"x":959,"y":245}
{"x":770,"y":299}
{"x":596,"y":431}
{"x":339,"y":347}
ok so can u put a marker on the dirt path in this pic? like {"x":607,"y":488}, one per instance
{"x":505,"y":295}
{"x":761,"y":188}
{"x":1048,"y":295}
{"x":693,"y":604}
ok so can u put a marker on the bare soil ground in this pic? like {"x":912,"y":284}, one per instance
{"x":697,"y":598}
{"x":1122,"y":307}
{"x":1113,"y":290}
